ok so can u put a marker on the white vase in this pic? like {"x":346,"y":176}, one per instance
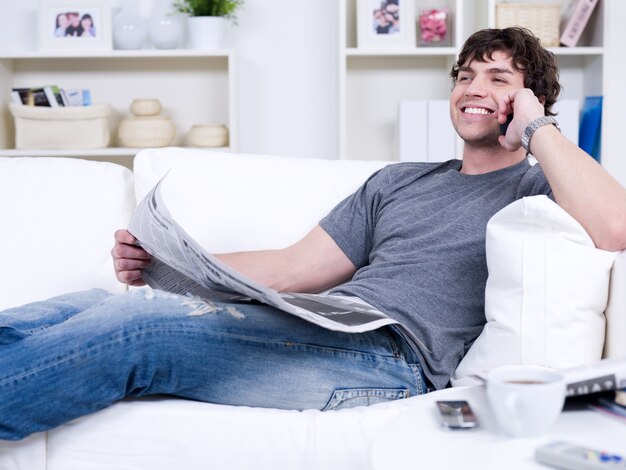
{"x":129,"y":28}
{"x":208,"y":135}
{"x":166,"y":28}
{"x":207,"y":32}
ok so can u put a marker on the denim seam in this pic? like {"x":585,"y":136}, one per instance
{"x":111,"y":341}
{"x":343,"y":396}
{"x":393,"y":344}
{"x":419,"y":380}
{"x":117,"y":337}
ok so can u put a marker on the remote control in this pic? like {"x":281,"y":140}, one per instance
{"x":574,"y":457}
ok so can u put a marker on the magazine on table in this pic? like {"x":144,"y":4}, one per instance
{"x":180,"y":265}
{"x":611,"y":404}
{"x":601,"y":376}
{"x":605,"y":375}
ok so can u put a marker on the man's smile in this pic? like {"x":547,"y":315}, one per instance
{"x":476,"y":110}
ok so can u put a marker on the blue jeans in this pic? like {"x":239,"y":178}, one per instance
{"x":78,"y":353}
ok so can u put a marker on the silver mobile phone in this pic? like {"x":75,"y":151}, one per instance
{"x":456,"y":414}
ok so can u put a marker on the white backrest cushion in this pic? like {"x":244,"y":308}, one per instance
{"x":615,"y":343}
{"x":58,"y":216}
{"x":233,"y":202}
{"x":546,"y":292}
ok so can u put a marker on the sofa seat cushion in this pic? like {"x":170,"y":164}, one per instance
{"x":546,"y":292}
{"x":166,"y":434}
{"x":58,"y":217}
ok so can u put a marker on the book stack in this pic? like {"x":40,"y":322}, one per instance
{"x":612,"y":404}
{"x":50,"y":96}
{"x":577,"y":15}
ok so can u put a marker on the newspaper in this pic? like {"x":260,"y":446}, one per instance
{"x":180,"y":265}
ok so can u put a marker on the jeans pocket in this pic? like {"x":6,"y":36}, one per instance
{"x":351,"y":397}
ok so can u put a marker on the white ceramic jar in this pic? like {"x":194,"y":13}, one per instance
{"x":146,"y":128}
{"x":166,"y":28}
{"x":208,"y":135}
{"x":129,"y":28}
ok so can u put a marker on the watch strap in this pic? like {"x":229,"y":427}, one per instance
{"x":533,"y":126}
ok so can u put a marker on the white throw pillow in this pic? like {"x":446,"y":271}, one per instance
{"x":546,"y":292}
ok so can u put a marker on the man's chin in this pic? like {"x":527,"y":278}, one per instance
{"x":486,"y":141}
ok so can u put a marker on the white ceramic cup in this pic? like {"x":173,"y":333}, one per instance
{"x":526,"y":400}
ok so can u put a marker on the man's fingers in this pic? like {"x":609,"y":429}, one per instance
{"x":124,"y":236}
{"x":121,"y":250}
{"x":125,"y":264}
{"x":132,"y":278}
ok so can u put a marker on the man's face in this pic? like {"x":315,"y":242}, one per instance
{"x":476,"y":94}
{"x":74,"y":19}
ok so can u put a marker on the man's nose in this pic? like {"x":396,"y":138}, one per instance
{"x":478,"y":87}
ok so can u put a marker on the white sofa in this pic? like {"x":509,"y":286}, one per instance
{"x":58,"y":218}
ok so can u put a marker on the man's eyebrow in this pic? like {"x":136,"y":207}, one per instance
{"x":493,"y":70}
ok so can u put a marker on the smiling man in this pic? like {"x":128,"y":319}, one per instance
{"x":410,"y":242}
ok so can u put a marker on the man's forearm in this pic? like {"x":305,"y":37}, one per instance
{"x":583,"y":188}
{"x":313,"y":264}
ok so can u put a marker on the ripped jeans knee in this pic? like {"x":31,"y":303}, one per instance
{"x":196,"y":305}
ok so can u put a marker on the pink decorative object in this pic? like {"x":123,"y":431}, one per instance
{"x":434,"y":27}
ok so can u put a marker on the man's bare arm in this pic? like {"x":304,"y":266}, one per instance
{"x":313,"y":264}
{"x":580,"y":185}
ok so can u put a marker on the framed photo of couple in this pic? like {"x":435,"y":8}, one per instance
{"x":386,"y":23}
{"x":79,"y":25}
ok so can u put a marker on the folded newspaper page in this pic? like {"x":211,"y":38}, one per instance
{"x":182,"y":266}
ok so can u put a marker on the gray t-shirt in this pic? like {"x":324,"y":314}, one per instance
{"x":416,"y":234}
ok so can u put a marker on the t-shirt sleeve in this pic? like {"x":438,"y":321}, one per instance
{"x":534,"y":183}
{"x":351,"y":223}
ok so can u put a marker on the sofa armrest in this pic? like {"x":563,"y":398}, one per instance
{"x":615,"y":343}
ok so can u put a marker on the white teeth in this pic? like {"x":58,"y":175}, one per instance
{"x":477,"y":111}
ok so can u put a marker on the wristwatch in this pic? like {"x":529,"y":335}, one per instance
{"x":533,"y":126}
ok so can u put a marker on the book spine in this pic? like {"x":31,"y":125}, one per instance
{"x":590,"y":122}
{"x":577,"y":22}
{"x":16,"y":98}
{"x":50,"y":96}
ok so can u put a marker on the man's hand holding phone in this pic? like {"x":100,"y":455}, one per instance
{"x":516,"y":109}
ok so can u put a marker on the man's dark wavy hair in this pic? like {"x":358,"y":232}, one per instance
{"x":539,"y":66}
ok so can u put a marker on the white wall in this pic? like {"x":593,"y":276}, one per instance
{"x":286,"y":64}
{"x":287,"y":52}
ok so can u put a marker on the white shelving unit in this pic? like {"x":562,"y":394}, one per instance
{"x":194,"y":87}
{"x":373,"y":81}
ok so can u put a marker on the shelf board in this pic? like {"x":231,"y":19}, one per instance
{"x":399,"y":52}
{"x":452,"y":51}
{"x":577,"y":51}
{"x":118,"y":54}
{"x":108,"y":152}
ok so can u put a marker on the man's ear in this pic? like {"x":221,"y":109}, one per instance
{"x":542,"y":99}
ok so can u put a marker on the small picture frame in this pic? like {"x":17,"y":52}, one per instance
{"x":77,"y":25}
{"x":386,"y":24}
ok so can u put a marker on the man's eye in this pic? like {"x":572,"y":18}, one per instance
{"x":465,"y":79}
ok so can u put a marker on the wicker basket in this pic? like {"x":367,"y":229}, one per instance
{"x":542,"y":19}
{"x":74,"y":127}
